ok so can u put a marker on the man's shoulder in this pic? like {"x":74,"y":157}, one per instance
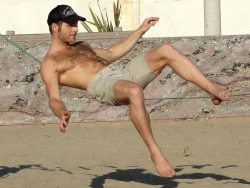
{"x":49,"y":57}
{"x":48,"y":63}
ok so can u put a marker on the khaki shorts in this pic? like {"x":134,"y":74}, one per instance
{"x":101,"y":86}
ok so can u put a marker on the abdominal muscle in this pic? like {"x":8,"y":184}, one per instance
{"x":79,"y":77}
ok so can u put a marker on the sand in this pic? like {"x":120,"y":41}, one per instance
{"x":205,"y":153}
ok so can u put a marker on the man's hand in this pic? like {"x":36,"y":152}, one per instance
{"x":147,"y":23}
{"x":64,"y":121}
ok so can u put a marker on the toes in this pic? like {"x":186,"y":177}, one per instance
{"x":167,"y":174}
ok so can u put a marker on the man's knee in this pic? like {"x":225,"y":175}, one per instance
{"x":167,"y":47}
{"x":135,"y":94}
{"x":167,"y":51}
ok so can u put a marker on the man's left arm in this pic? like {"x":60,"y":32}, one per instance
{"x":119,"y":50}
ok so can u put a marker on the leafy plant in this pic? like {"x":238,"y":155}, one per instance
{"x":100,"y":22}
{"x":117,"y":12}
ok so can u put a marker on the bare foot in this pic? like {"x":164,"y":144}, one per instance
{"x":219,"y":96}
{"x":163,"y":167}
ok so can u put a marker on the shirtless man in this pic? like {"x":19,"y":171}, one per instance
{"x":77,"y":65}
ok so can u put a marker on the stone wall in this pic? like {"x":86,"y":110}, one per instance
{"x":224,"y":60}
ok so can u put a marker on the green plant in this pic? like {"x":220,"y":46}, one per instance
{"x":100,"y":22}
{"x":117,"y":12}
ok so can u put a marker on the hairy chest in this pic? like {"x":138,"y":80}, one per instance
{"x":81,"y":57}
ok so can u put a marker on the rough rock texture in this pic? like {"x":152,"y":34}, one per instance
{"x":224,"y":60}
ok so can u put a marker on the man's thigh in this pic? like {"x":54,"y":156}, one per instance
{"x":155,"y":61}
{"x":138,"y":71}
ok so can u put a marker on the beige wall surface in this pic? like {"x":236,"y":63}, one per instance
{"x":177,"y":17}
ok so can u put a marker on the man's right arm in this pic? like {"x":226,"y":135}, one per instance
{"x":50,"y":77}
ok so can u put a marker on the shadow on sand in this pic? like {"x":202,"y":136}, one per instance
{"x":135,"y":174}
{"x":6,"y":171}
{"x":144,"y":177}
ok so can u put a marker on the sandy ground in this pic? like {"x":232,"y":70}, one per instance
{"x":208,"y":153}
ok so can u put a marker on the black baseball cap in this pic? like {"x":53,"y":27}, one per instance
{"x":63,"y":13}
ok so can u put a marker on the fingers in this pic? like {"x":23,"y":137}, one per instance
{"x":152,"y":21}
{"x":64,"y":121}
{"x":65,"y":117}
{"x":62,"y":126}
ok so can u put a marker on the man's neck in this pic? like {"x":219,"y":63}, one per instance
{"x":57,"y":45}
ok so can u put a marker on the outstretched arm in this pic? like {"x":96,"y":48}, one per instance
{"x":119,"y":50}
{"x":50,"y":78}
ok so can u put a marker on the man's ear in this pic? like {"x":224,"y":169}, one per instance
{"x":55,"y":27}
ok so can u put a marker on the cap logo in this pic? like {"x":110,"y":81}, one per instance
{"x":63,"y":13}
{"x":68,"y":12}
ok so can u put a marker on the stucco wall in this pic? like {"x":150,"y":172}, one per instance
{"x":178,"y":17}
{"x":224,"y":60}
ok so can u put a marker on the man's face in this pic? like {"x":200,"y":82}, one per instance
{"x":67,"y":32}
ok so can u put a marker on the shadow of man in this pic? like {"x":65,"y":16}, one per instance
{"x":5,"y":171}
{"x":132,"y":175}
{"x":144,"y":177}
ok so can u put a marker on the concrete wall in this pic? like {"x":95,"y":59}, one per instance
{"x":224,"y":60}
{"x":178,"y":17}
